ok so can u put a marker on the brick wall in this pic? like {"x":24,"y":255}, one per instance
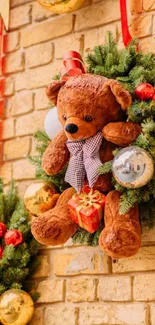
{"x":79,"y":286}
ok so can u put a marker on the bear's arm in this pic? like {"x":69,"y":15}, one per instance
{"x":56,"y":155}
{"x":121,"y":133}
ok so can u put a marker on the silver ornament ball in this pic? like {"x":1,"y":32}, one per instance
{"x":52,"y":126}
{"x":133,"y":167}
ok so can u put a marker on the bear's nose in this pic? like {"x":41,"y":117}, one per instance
{"x":71,"y":128}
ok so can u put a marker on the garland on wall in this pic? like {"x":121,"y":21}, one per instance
{"x":17,"y":245}
{"x":135,"y":71}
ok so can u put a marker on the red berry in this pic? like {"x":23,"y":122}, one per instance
{"x":1,"y":251}
{"x":13,"y":237}
{"x":2,"y":229}
{"x":144,"y":91}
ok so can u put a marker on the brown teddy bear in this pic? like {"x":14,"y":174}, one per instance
{"x":91,"y":109}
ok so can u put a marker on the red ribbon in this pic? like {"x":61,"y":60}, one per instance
{"x":73,"y":65}
{"x":124,"y":23}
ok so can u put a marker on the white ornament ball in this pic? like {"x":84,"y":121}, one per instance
{"x":133,"y":167}
{"x":52,"y":126}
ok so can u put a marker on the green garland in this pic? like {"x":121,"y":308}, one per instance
{"x":130,"y":67}
{"x":17,"y":263}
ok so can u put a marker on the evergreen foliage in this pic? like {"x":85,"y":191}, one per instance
{"x":58,"y":180}
{"x":17,"y":263}
{"x":130,"y":67}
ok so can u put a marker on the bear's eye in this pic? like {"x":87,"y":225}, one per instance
{"x":88,"y":118}
{"x":64,"y":117}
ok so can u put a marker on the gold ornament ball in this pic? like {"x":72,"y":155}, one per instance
{"x":40,"y":197}
{"x":61,"y":6}
{"x":133,"y":167}
{"x":16,"y":307}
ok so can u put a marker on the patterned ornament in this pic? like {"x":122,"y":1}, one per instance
{"x":61,"y":6}
{"x":144,"y":91}
{"x":133,"y":167}
{"x":40,"y":197}
{"x":13,"y":237}
{"x":2,"y":229}
{"x":16,"y":307}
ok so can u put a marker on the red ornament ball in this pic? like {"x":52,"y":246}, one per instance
{"x":13,"y":237}
{"x":2,"y":229}
{"x":144,"y":91}
{"x":1,"y":251}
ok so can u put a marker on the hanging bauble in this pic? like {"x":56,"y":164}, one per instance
{"x":144,"y":91}
{"x":40,"y":197}
{"x":1,"y":251}
{"x":2,"y":229}
{"x":132,"y":167}
{"x":16,"y":307}
{"x":13,"y":237}
{"x":52,"y":125}
{"x":61,"y":6}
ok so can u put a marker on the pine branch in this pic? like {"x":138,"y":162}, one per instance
{"x":105,"y":168}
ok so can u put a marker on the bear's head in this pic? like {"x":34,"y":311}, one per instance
{"x":86,"y":103}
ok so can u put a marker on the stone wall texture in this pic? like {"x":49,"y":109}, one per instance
{"x":78,"y":285}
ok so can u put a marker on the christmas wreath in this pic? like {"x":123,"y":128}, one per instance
{"x":135,"y":71}
{"x":17,"y":245}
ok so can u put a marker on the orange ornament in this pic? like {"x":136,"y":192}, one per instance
{"x":61,"y":6}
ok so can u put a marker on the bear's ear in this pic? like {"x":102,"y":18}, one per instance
{"x":52,"y":90}
{"x":122,"y":96}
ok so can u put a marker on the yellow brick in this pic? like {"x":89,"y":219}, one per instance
{"x":148,"y":5}
{"x":6,"y":172}
{"x":38,"y":316}
{"x":14,"y":62}
{"x":152,"y":313}
{"x":22,"y":186}
{"x":85,"y":262}
{"x":80,"y":290}
{"x":44,"y":267}
{"x":70,"y":42}
{"x":97,"y":36}
{"x":40,"y":100}
{"x":50,"y":291}
{"x":147,"y":44}
{"x":144,"y":287}
{"x":20,"y":104}
{"x":98,"y":14}
{"x":39,"y":55}
{"x":136,"y":6}
{"x":141,"y":26}
{"x":114,"y":288}
{"x":8,"y":129}
{"x":12,"y":43}
{"x":38,"y":77}
{"x":59,"y":315}
{"x":40,"y":13}
{"x":16,"y":148}
{"x":113,"y":314}
{"x":20,"y":16}
{"x":47,"y":30}
{"x":144,"y":260}
{"x":22,"y":169}
{"x":30,"y":123}
{"x":9,"y":86}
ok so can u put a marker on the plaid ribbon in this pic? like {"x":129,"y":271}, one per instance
{"x":84,"y":161}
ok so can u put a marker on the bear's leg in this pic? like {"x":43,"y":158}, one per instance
{"x":121,"y":236}
{"x":55,"y":226}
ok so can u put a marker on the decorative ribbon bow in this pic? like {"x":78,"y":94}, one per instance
{"x":73,"y":65}
{"x":84,"y":162}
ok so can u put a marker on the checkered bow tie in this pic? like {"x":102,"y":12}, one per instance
{"x":84,"y":161}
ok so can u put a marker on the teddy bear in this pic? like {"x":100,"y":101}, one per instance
{"x":92,"y":111}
